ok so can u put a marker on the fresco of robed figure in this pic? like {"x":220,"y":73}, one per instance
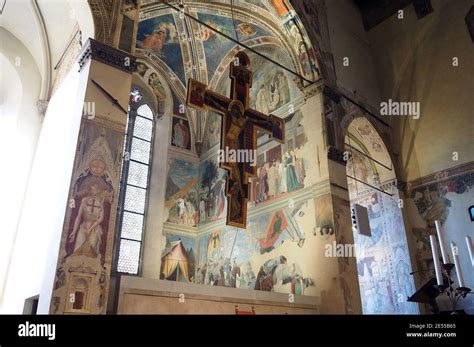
{"x":94,"y":192}
{"x":181,"y":135}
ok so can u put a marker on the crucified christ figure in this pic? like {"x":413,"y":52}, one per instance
{"x":235,"y":113}
{"x":240,"y":124}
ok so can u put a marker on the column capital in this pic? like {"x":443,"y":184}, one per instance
{"x":96,"y":50}
{"x":336,"y":155}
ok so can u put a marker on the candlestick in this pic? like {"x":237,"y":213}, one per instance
{"x":444,"y":252}
{"x":457,"y":264}
{"x":469,"y":249}
{"x":437,"y":265}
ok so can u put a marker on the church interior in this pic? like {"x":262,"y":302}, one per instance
{"x":354,"y":119}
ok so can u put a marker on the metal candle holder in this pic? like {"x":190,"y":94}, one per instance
{"x":453,"y":294}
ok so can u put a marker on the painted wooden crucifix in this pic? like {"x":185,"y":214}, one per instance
{"x":238,"y":133}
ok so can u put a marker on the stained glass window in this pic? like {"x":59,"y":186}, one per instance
{"x":134,"y":190}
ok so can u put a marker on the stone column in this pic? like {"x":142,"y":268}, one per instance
{"x":342,"y":295}
{"x":84,"y":262}
{"x":346,"y":293}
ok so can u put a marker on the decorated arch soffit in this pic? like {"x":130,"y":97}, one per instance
{"x":364,"y":137}
{"x":164,"y":94}
{"x":183,"y":48}
{"x":105,"y":13}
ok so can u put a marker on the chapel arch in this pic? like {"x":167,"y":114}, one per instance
{"x":383,"y":258}
{"x":162,"y":231}
{"x":166,"y":95}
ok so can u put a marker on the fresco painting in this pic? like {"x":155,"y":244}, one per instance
{"x":255,"y":258}
{"x":279,"y":173}
{"x":383,"y":265}
{"x":360,"y":167}
{"x":178,"y":259}
{"x":272,"y":87}
{"x":160,"y":36}
{"x":324,"y":217}
{"x":94,"y":193}
{"x":159,"y":92}
{"x":89,"y":237}
{"x":273,"y":254}
{"x":270,"y":91}
{"x":277,"y":250}
{"x":212,"y":135}
{"x":181,"y":134}
{"x":216,"y":45}
{"x":213,"y":202}
{"x":292,"y":26}
{"x":367,"y":131}
{"x":433,"y":201}
{"x":141,"y":69}
{"x":195,"y":193}
{"x":182,"y":192}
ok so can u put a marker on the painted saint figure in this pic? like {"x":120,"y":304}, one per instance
{"x":262,"y":102}
{"x":291,"y":178}
{"x":87,"y":232}
{"x":272,"y":173}
{"x":263,"y":183}
{"x":277,"y":177}
{"x":180,"y":134}
{"x":202,"y":211}
{"x":213,"y":243}
{"x":219,"y":188}
{"x":159,"y":91}
{"x":163,"y":33}
{"x":181,"y":206}
{"x":214,"y":131}
{"x":282,"y":172}
{"x":299,"y":166}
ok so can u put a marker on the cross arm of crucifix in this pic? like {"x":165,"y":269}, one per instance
{"x":270,"y":124}
{"x":216,"y":102}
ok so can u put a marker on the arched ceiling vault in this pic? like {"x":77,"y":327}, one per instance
{"x":182,"y":47}
{"x":362,"y":136}
{"x":46,"y":29}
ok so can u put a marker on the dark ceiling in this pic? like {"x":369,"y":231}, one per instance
{"x":375,"y":12}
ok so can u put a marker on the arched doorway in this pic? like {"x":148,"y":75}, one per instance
{"x":383,"y":261}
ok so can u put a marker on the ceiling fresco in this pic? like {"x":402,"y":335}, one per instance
{"x":159,"y":36}
{"x":200,"y":41}
{"x":216,"y":46}
{"x":272,"y":87}
{"x":365,"y":138}
{"x":190,"y":49}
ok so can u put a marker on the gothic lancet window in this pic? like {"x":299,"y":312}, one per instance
{"x":135,"y":184}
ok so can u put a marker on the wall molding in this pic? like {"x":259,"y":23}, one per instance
{"x":96,"y":50}
{"x":441,"y":175}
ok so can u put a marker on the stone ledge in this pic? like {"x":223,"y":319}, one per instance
{"x":163,"y":288}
